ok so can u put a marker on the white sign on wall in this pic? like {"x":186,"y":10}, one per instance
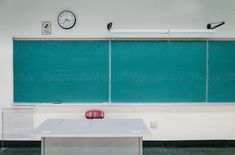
{"x":46,"y":27}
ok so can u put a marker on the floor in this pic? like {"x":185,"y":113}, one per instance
{"x":146,"y":151}
{"x":189,"y":151}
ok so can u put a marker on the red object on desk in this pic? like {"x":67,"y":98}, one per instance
{"x":94,"y":114}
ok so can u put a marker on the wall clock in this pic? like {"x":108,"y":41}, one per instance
{"x":66,"y":19}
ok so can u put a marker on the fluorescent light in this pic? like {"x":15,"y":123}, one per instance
{"x":162,"y":31}
{"x":191,"y":31}
{"x":139,"y":31}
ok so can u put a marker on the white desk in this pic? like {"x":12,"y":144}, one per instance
{"x":92,"y":137}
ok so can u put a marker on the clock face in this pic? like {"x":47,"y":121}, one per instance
{"x":66,"y":19}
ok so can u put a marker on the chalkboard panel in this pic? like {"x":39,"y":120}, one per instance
{"x":158,"y":71}
{"x":60,"y":71}
{"x":221,"y":71}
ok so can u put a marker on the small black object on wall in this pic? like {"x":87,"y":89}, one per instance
{"x":215,"y":25}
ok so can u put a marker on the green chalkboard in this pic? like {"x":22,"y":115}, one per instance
{"x":221,"y":71}
{"x":77,"y":71}
{"x":60,"y":71}
{"x":158,"y":71}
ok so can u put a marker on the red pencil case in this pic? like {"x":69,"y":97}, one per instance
{"x":94,"y":114}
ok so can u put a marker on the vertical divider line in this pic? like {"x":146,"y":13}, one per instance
{"x":110,"y":71}
{"x":207,"y":69}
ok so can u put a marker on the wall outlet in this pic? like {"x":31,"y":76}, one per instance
{"x":153,"y":124}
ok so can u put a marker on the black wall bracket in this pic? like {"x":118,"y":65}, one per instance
{"x":109,"y":26}
{"x":215,"y":25}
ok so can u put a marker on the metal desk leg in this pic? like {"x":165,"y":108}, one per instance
{"x":141,"y":145}
{"x":42,"y":146}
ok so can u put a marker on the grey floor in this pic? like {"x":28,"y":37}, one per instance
{"x":147,"y":151}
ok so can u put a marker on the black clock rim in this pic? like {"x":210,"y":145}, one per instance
{"x":74,"y":21}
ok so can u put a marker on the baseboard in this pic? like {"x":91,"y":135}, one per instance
{"x":191,"y":143}
{"x":163,"y":144}
{"x":20,"y":144}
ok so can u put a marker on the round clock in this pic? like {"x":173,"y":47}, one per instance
{"x":66,"y":19}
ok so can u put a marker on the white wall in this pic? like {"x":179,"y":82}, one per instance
{"x":22,"y":18}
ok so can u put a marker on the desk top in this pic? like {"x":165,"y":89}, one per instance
{"x":92,"y":128}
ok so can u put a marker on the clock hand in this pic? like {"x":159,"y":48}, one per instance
{"x":66,"y":20}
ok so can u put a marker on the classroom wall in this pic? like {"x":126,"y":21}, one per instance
{"x":174,"y":122}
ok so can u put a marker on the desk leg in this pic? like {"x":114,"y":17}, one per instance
{"x":42,"y":146}
{"x":141,"y":145}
